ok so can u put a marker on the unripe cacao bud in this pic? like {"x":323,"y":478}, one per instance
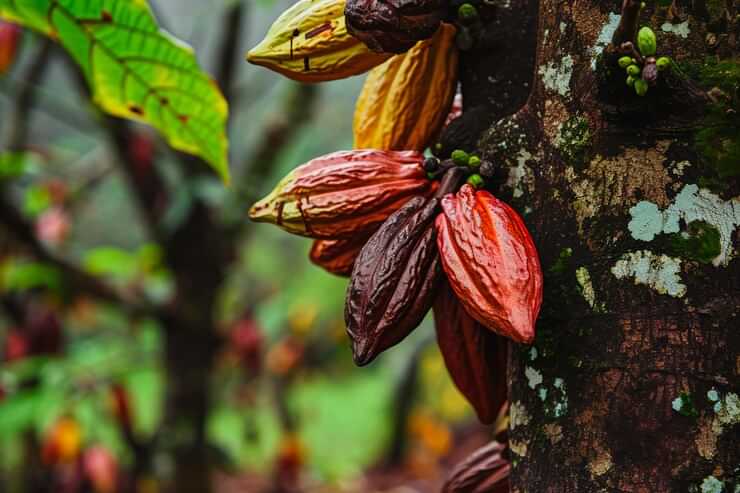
{"x":344,"y":194}
{"x":475,"y":357}
{"x":10,"y":37}
{"x":647,"y":42}
{"x":309,"y":42}
{"x":485,"y":471}
{"x":394,"y":280}
{"x":337,"y":256}
{"x":405,"y":101}
{"x":393,"y":26}
{"x":491,"y":262}
{"x":641,"y":87}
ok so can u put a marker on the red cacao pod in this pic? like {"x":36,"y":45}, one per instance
{"x":475,"y":357}
{"x":337,"y":256}
{"x":491,"y":262}
{"x":344,"y":194}
{"x":10,"y":37}
{"x":393,"y":26}
{"x":394,"y":280}
{"x":101,"y":469}
{"x":485,"y":471}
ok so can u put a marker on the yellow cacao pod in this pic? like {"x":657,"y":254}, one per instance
{"x":405,"y":102}
{"x":309,"y":42}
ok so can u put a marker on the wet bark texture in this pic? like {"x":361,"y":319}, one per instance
{"x":632,"y":382}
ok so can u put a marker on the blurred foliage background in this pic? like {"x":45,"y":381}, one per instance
{"x":84,"y":381}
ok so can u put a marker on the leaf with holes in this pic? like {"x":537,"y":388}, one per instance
{"x":135,"y":70}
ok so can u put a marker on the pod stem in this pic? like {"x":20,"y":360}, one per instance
{"x":451,"y":181}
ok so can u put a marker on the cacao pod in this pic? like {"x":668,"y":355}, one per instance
{"x":10,"y":37}
{"x":491,"y":262}
{"x":337,"y":256}
{"x":343,"y":194}
{"x":393,"y":281}
{"x":485,"y":471}
{"x":475,"y":357}
{"x":309,"y":42}
{"x":393,"y":26}
{"x":405,"y":101}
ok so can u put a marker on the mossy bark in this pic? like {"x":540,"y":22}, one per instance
{"x":633,"y":380}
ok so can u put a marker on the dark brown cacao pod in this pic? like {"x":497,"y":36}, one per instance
{"x":475,"y":357}
{"x":393,"y":26}
{"x":486,"y":470}
{"x":394,"y":280}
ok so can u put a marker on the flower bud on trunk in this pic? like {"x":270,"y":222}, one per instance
{"x":475,"y":357}
{"x":491,"y":262}
{"x":394,"y":280}
{"x":344,"y":194}
{"x":405,"y":101}
{"x":393,"y":26}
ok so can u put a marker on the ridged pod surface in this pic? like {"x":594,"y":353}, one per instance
{"x":309,"y":42}
{"x":486,"y":470}
{"x":10,"y":36}
{"x":475,"y":357}
{"x":337,"y":256}
{"x":491,"y":262}
{"x":405,"y":101}
{"x":393,"y":26}
{"x":343,"y":194}
{"x":394,"y":280}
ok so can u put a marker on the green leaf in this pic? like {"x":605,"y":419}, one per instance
{"x":19,"y":276}
{"x":136,"y":70}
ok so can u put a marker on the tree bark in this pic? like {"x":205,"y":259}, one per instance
{"x":632,"y":382}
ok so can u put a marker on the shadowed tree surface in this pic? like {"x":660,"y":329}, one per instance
{"x":632,"y":383}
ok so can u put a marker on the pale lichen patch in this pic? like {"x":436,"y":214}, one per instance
{"x":556,"y":76}
{"x":681,"y":29}
{"x":726,"y":414}
{"x":605,"y":37}
{"x":691,"y":204}
{"x":610,"y":183}
{"x":600,"y":464}
{"x":553,"y":432}
{"x":519,"y":448}
{"x":659,"y":272}
{"x":518,"y":415}
{"x":521,"y":177}
{"x":534,"y":377}
{"x":712,"y":485}
{"x":587,"y":289}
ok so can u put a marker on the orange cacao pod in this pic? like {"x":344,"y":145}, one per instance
{"x":393,"y":26}
{"x":10,"y":37}
{"x":475,"y":357}
{"x":405,"y":101}
{"x":337,"y":256}
{"x":491,"y":262}
{"x":393,"y":281}
{"x":485,"y":471}
{"x":344,"y":194}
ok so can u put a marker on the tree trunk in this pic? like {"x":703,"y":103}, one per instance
{"x":632,"y":384}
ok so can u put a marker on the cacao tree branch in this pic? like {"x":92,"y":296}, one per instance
{"x":12,"y":220}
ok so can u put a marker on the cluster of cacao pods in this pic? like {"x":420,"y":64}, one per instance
{"x":414,"y":234}
{"x":641,"y":65}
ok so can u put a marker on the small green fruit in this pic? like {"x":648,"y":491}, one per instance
{"x":647,"y":42}
{"x":663,"y":63}
{"x":467,"y":13}
{"x":460,"y":158}
{"x":474,"y":161}
{"x":630,"y":81}
{"x":476,"y":181}
{"x":633,"y":70}
{"x":641,"y":87}
{"x":625,"y":61}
